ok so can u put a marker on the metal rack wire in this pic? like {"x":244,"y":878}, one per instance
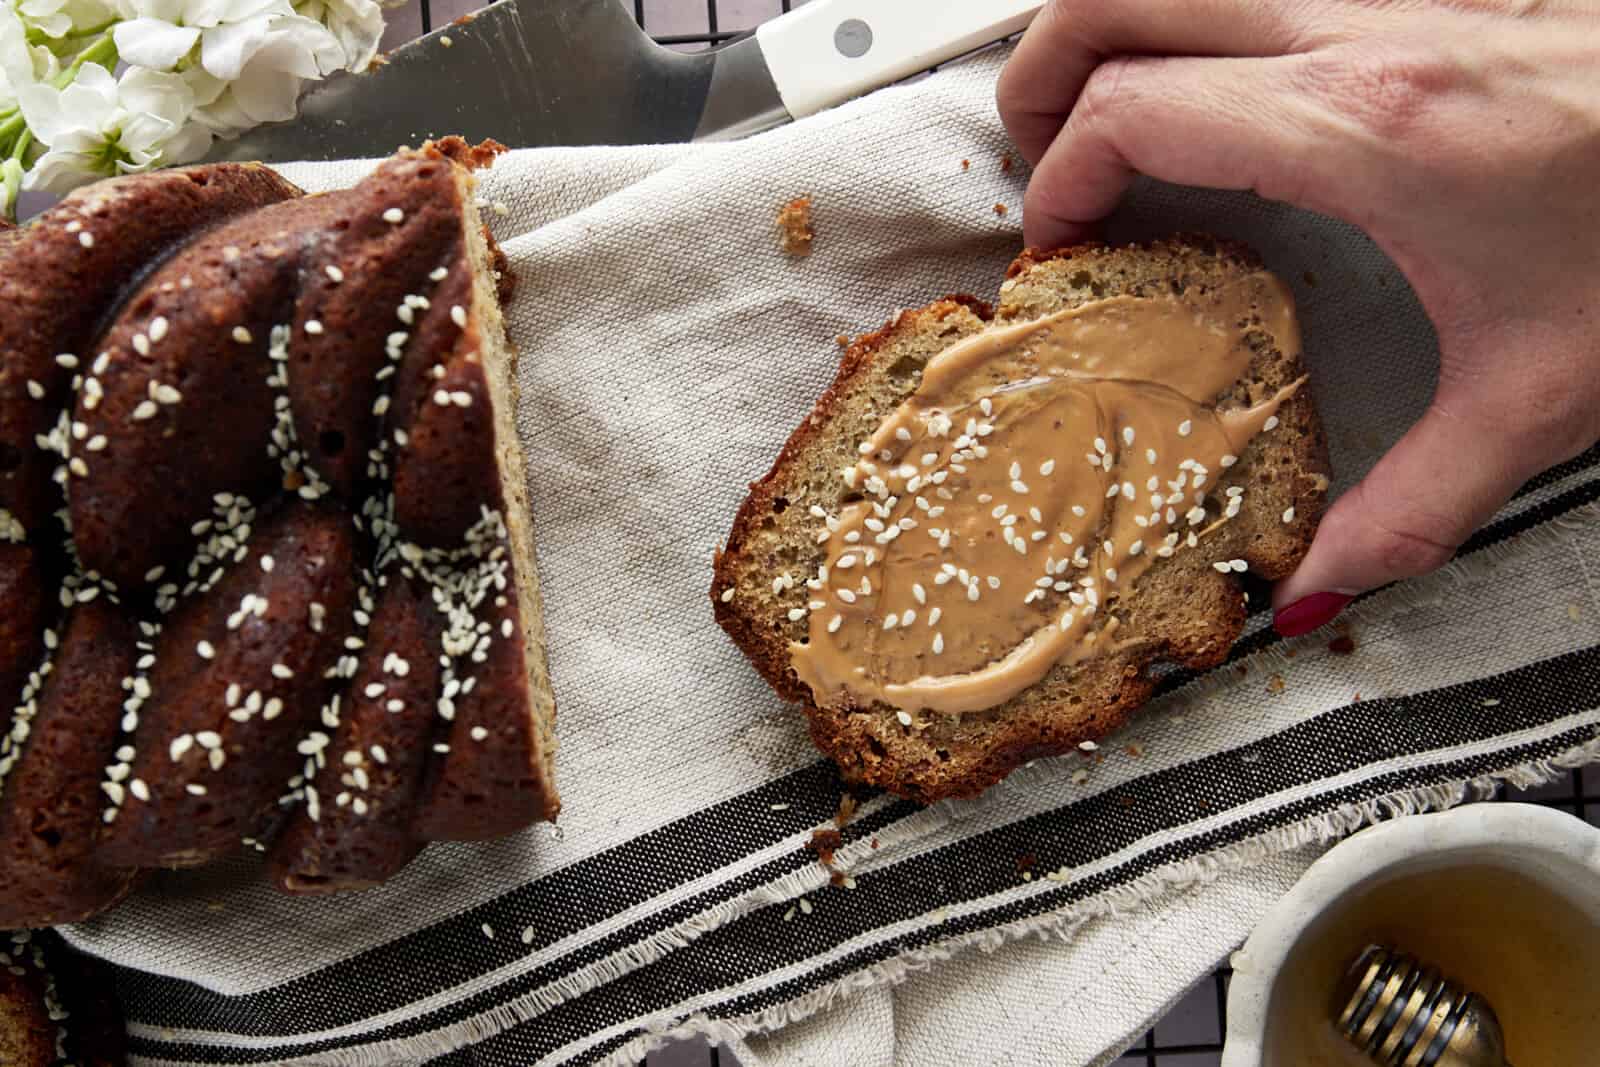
{"x":1191,"y":1034}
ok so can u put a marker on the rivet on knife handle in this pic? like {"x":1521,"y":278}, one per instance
{"x":832,"y":50}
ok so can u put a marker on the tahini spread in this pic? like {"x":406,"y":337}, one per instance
{"x":1037,"y":468}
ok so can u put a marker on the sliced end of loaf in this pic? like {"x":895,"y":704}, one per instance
{"x":1183,"y":611}
{"x":499,"y":357}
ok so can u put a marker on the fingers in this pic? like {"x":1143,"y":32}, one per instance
{"x":1445,"y":478}
{"x":1223,"y":123}
{"x":1069,"y":38}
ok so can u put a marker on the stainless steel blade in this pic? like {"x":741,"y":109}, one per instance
{"x":528,"y":73}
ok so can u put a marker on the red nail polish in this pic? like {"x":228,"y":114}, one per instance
{"x":1309,"y":612}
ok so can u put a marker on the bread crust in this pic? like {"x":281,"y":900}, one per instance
{"x":1184,"y":612}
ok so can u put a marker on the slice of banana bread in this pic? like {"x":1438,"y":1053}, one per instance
{"x":1182,"y":603}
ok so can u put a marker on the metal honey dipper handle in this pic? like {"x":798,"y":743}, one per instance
{"x":1401,"y":1013}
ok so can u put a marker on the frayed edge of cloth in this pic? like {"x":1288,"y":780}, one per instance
{"x":1063,"y":924}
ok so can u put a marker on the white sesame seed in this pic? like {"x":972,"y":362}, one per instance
{"x":1047,"y":467}
{"x":458,"y":315}
{"x":727,"y":594}
{"x":205,"y":650}
{"x":195,"y":789}
{"x":1185,"y":428}
{"x":145,"y":410}
{"x":904,"y":717}
{"x":180,"y":744}
{"x":488,"y":931}
{"x":166,"y":394}
{"x":313,"y":326}
{"x":1238,"y":565}
{"x":834,"y":624}
{"x":394,"y":215}
{"x":1288,"y":514}
{"x":1087,"y":746}
{"x":335,"y":275}
{"x":1271,"y":423}
{"x":138,"y":788}
{"x":442,"y":397}
{"x":1228,"y":461}
{"x":282,"y":670}
{"x":86,"y":239}
{"x":845,"y":595}
{"x":1127,"y":435}
{"x":479,"y":733}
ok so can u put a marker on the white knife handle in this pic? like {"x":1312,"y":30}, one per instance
{"x":831,"y":50}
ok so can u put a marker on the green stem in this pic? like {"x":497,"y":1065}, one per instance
{"x":96,"y":31}
{"x":20,"y":152}
{"x":103,"y":51}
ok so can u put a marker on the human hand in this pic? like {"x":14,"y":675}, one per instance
{"x":1462,"y":135}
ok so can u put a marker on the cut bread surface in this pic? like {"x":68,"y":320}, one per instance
{"x":1182,"y":611}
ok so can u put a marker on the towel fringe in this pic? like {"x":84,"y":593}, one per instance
{"x":1063,"y":924}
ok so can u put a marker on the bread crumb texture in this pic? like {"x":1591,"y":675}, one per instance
{"x":795,"y":232}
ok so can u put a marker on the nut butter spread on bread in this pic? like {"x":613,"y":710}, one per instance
{"x":993,"y":525}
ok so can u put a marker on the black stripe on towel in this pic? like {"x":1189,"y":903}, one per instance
{"x":1334,"y":743}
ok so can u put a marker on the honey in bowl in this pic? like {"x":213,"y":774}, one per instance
{"x":1532,"y":954}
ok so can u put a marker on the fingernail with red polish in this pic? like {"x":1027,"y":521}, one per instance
{"x":1309,"y":612}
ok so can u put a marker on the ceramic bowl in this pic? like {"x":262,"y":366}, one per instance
{"x":1551,"y":848}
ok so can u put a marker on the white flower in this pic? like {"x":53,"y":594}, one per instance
{"x":98,"y":126}
{"x":19,"y":64}
{"x":57,"y":18}
{"x":357,"y":24}
{"x":163,"y":35}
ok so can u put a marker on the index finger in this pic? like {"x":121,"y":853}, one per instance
{"x":1069,"y":38}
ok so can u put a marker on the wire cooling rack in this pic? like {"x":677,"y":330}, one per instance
{"x":1191,"y":1034}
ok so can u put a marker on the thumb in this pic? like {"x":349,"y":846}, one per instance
{"x":1407,"y":517}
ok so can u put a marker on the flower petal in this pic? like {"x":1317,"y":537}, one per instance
{"x":187,"y":145}
{"x":63,"y":170}
{"x":148,"y":42}
{"x":264,"y":92}
{"x":164,"y":96}
{"x":42,"y":111}
{"x":224,"y":50}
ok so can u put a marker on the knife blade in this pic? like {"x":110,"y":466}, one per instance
{"x":531,"y":73}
